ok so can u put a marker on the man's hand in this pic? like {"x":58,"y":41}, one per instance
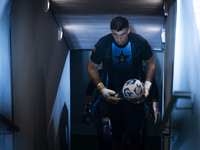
{"x":114,"y":99}
{"x":87,"y":117}
{"x":107,"y":129}
{"x":108,"y":94}
{"x":147,"y":85}
{"x":156,"y":112}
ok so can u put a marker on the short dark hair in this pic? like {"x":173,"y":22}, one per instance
{"x":119,"y":23}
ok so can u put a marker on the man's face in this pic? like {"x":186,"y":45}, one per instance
{"x":120,"y":37}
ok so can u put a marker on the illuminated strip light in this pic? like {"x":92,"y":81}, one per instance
{"x":47,"y":6}
{"x":196,"y":4}
{"x":60,"y":33}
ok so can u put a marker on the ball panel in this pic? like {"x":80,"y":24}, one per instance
{"x":127,"y":92}
{"x":133,"y":89}
{"x":138,"y":89}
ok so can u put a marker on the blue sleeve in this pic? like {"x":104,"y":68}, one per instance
{"x":99,"y":50}
{"x":97,"y":56}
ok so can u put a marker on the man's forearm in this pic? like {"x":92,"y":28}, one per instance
{"x":150,"y":73}
{"x":88,"y":98}
{"x":95,"y":77}
{"x":151,"y":69}
{"x":93,"y":72}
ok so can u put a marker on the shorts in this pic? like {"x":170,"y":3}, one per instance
{"x":98,"y":114}
{"x":126,"y":118}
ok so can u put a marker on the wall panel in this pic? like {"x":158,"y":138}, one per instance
{"x":38,"y":59}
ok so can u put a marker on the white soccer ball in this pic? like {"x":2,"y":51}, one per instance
{"x":134,"y":90}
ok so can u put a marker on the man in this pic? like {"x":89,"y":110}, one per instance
{"x":122,"y":53}
{"x":150,"y":110}
{"x":94,"y":110}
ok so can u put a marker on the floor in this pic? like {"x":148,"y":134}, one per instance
{"x":83,"y":142}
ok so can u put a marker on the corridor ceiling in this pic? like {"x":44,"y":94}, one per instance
{"x":85,"y":21}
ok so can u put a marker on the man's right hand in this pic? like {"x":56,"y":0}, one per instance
{"x":87,"y":117}
{"x":108,"y":94}
{"x":156,"y":112}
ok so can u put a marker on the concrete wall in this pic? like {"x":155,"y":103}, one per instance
{"x":186,"y":78}
{"x":6,"y":140}
{"x":38,"y":59}
{"x":182,"y":74}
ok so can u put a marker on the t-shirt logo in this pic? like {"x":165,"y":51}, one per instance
{"x":94,"y":49}
{"x":122,"y":58}
{"x":122,"y":63}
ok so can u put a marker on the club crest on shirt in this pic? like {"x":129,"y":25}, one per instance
{"x":94,"y":49}
{"x":122,"y":58}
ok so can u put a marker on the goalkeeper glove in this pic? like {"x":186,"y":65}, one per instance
{"x":87,"y":117}
{"x":156,"y":112}
{"x":107,"y":129}
{"x":108,"y":94}
{"x":147,"y":85}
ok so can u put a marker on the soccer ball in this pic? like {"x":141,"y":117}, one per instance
{"x":134,"y":90}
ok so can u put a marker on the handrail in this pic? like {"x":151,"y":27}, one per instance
{"x":9,"y":123}
{"x":168,"y":111}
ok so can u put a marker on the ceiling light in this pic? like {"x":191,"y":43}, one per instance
{"x":165,"y":7}
{"x":47,"y":5}
{"x":60,"y":33}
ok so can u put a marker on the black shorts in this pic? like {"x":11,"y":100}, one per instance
{"x":126,"y":118}
{"x":99,"y":113}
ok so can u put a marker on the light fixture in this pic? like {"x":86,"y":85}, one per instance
{"x":163,"y":35}
{"x":165,"y":7}
{"x":60,"y":33}
{"x":47,"y":5}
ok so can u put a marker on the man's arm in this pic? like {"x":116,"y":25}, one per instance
{"x":88,"y":98}
{"x":108,"y":94}
{"x":93,"y":72}
{"x":150,"y":74}
{"x":151,"y":69}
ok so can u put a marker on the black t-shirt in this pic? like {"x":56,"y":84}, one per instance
{"x":121,"y":62}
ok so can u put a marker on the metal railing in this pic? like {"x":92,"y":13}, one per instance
{"x":11,"y":125}
{"x":174,"y":98}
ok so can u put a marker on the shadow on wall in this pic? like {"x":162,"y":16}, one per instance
{"x":64,"y":130}
{"x":61,"y":140}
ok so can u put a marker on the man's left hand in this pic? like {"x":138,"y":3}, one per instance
{"x":87,"y":116}
{"x":114,"y":99}
{"x":156,"y":112}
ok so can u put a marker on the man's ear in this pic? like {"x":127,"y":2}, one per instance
{"x":129,"y":30}
{"x":110,"y":29}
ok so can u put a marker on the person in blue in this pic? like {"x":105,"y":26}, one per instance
{"x":93,"y":112}
{"x":150,"y":109}
{"x":121,"y":53}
